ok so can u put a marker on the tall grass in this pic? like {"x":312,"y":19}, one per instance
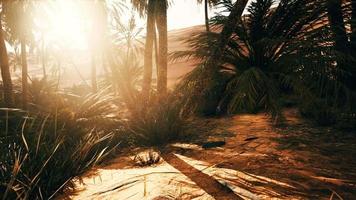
{"x":64,"y":134}
{"x":162,"y":122}
{"x":42,"y":152}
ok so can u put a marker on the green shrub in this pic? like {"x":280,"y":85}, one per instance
{"x":43,"y":152}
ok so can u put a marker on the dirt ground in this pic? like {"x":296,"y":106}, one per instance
{"x":259,"y":161}
{"x":316,"y":161}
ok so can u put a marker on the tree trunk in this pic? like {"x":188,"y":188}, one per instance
{"x":342,"y":45}
{"x":155,"y":42}
{"x":161,"y":20}
{"x":5,"y":70}
{"x":353,"y":26}
{"x":43,"y":57}
{"x":147,"y":71}
{"x":24,"y":75}
{"x":353,"y":46}
{"x":94,"y":86}
{"x":206,"y":6}
{"x":337,"y":25}
{"x":233,"y":19}
{"x":212,"y":85}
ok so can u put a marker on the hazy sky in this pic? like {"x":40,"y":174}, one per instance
{"x":66,"y":24}
{"x":182,"y":13}
{"x":185,"y":13}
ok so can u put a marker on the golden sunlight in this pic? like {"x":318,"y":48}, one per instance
{"x":177,"y":99}
{"x":64,"y":23}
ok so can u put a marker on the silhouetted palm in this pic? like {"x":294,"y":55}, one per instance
{"x":4,"y":61}
{"x":345,"y":43}
{"x":207,"y":4}
{"x":20,"y":24}
{"x":272,"y":46}
{"x":156,"y":12}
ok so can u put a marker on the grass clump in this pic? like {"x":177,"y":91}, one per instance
{"x":44,"y":151}
{"x":161,"y":122}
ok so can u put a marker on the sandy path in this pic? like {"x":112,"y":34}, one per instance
{"x":258,"y":161}
{"x":204,"y":181}
{"x":298,"y":161}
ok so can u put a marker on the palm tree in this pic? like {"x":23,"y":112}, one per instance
{"x":4,"y":63}
{"x":148,"y":62}
{"x":336,"y":20}
{"x":253,"y":57}
{"x":124,"y":59}
{"x":97,"y":37}
{"x":207,"y":3}
{"x":19,"y":23}
{"x":353,"y":25}
{"x":161,"y":21}
{"x":344,"y":46}
{"x":42,"y":8}
{"x":156,"y":12}
{"x":24,"y":74}
{"x":24,"y":14}
{"x":205,"y":83}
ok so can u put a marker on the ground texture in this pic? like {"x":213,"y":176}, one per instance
{"x":259,"y":161}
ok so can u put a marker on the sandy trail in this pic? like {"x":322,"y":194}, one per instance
{"x":203,"y":180}
{"x":258,"y":161}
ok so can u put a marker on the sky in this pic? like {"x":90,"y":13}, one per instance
{"x":185,"y":13}
{"x":69,"y":31}
{"x":181,"y":14}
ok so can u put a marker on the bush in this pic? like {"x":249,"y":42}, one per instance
{"x":320,"y":111}
{"x":161,"y":122}
{"x":43,"y":152}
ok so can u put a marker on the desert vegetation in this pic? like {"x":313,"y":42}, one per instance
{"x":253,"y":57}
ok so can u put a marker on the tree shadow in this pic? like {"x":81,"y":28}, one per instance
{"x":204,"y":181}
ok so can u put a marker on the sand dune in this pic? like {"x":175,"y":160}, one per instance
{"x":176,"y":42}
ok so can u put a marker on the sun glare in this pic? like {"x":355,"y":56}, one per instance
{"x":66,"y":24}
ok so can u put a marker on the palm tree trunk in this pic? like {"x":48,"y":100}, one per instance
{"x":336,"y":21}
{"x":342,"y":45}
{"x":213,"y":83}
{"x":156,"y":50}
{"x":147,"y":71}
{"x":233,"y":19}
{"x":353,"y":26}
{"x":24,"y":75}
{"x":93,"y":73}
{"x":353,"y":45}
{"x":43,"y":56}
{"x":161,"y":20}
{"x":206,"y":6}
{"x":5,"y":70}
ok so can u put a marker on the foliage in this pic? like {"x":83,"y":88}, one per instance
{"x":161,"y":122}
{"x":65,"y":132}
{"x":319,"y":110}
{"x":19,"y":20}
{"x":124,"y":50}
{"x":43,"y":151}
{"x":273,"y":50}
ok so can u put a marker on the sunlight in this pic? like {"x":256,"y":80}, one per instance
{"x":65,"y":24}
{"x":177,"y":99}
